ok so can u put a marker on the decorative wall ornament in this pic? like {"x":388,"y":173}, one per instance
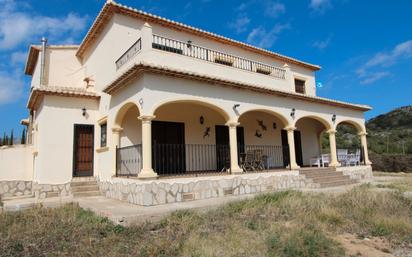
{"x":262,"y":126}
{"x":274,"y":125}
{"x":201,"y":120}
{"x":207,"y":132}
{"x":258,"y":134}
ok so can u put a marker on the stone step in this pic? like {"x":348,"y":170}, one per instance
{"x":85,"y":188}
{"x":337,"y":183}
{"x":322,"y":174}
{"x":326,"y":176}
{"x":83,"y":179}
{"x":86,"y":194}
{"x":82,"y":183}
{"x":331,"y":179}
{"x":317,"y":169}
{"x":9,"y":198}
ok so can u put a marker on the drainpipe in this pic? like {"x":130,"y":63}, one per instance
{"x":43,"y":58}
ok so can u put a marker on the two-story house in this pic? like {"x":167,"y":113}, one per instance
{"x":157,"y":112}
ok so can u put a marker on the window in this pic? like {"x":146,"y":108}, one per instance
{"x":299,"y":86}
{"x":103,"y":135}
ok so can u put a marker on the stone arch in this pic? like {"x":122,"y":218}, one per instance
{"x":278,"y":115}
{"x":200,"y":102}
{"x":328,"y":125}
{"x":359,"y":127}
{"x":122,"y":112}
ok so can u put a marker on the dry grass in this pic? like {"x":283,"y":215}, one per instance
{"x":279,"y":224}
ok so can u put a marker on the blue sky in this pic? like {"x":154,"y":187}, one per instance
{"x":364,"y":47}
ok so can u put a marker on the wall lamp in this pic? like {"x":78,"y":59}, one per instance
{"x":292,"y":113}
{"x":236,"y":106}
{"x":333,"y":118}
{"x":189,"y":43}
{"x":84,"y":111}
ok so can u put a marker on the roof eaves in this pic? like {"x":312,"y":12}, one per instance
{"x":110,"y":7}
{"x":138,"y":68}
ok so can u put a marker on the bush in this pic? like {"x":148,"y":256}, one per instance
{"x":391,"y":162}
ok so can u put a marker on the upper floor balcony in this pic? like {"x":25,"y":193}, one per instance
{"x":188,"y":56}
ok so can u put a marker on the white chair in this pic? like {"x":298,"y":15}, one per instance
{"x":354,"y":158}
{"x":315,"y":161}
{"x":342,"y":156}
{"x":325,"y":159}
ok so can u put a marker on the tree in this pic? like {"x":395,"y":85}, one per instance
{"x":23,"y":137}
{"x":4,"y":139}
{"x":11,"y":138}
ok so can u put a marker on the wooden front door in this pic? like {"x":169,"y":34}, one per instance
{"x":168,"y":141}
{"x":83,"y":150}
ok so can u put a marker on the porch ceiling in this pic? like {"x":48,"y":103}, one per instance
{"x":142,"y":67}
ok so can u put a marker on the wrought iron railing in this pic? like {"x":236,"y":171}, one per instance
{"x":262,"y":157}
{"x":199,"y":52}
{"x":128,"y":160}
{"x":187,"y":159}
{"x":132,"y":51}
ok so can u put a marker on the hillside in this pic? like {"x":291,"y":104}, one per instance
{"x":387,"y":133}
{"x":391,"y":132}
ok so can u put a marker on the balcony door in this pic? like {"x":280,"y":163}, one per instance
{"x":168,"y":141}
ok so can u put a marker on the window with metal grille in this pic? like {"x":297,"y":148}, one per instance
{"x":103,"y":135}
{"x":299,"y":86}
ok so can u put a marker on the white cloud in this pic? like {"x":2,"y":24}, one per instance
{"x":381,"y":60}
{"x":11,"y":88}
{"x":274,"y":9}
{"x":17,"y":27}
{"x":262,"y":38}
{"x":373,"y":77}
{"x":18,"y":58}
{"x":320,"y":6}
{"x":400,"y":51}
{"x":240,"y":24}
{"x":322,"y":44}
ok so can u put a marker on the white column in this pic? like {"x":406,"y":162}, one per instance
{"x":289,"y":77}
{"x":234,"y":165}
{"x":332,"y":143}
{"x":147,"y":37}
{"x":364,"y":145}
{"x":291,"y":142}
{"x":115,"y":143}
{"x":147,"y":171}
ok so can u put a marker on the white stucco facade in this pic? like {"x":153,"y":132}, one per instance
{"x":171,"y":82}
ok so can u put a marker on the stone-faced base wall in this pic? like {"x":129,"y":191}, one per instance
{"x":42,"y":191}
{"x":359,"y":173}
{"x":185,"y":189}
{"x":15,"y":188}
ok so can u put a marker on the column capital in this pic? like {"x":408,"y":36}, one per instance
{"x":363,"y":133}
{"x":117,"y":130}
{"x":146,"y":117}
{"x":331,"y":131}
{"x":290,"y":128}
{"x":232,"y":124}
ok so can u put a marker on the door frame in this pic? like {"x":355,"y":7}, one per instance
{"x":74,"y":175}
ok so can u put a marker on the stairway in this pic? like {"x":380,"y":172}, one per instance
{"x":84,"y":187}
{"x":327,"y":177}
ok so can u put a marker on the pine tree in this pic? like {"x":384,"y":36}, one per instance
{"x":4,"y":139}
{"x":11,"y":138}
{"x":23,"y":137}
